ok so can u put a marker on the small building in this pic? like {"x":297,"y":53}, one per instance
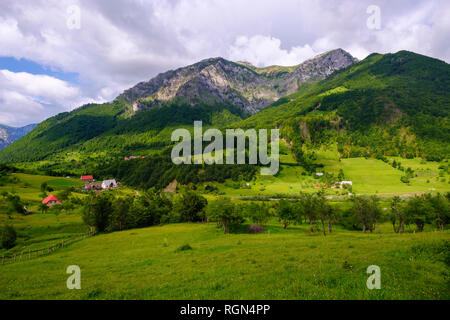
{"x":317,"y":185}
{"x":109,"y":184}
{"x":325,"y":185}
{"x":319,"y":174}
{"x":92,"y":186}
{"x":345,"y":183}
{"x":87,"y":178}
{"x":51,"y":200}
{"x":126,"y":158}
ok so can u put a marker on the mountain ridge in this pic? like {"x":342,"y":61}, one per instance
{"x":221,"y":81}
{"x":10,"y":134}
{"x":391,"y":104}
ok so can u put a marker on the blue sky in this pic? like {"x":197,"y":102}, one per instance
{"x":24,"y":65}
{"x":56,"y":55}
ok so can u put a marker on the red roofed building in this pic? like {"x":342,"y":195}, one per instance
{"x":87,"y":178}
{"x":51,"y":200}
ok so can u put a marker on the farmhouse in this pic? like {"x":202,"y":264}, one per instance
{"x":87,"y":178}
{"x":51,"y":200}
{"x":109,"y":184}
{"x":93,"y":186}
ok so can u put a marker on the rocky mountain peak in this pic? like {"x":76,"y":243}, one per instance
{"x":219,"y":81}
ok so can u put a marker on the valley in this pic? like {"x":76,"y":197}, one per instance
{"x":363,"y":179}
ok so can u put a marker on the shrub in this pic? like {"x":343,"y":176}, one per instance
{"x":8,"y":237}
{"x":254,"y":228}
{"x":184,"y":247}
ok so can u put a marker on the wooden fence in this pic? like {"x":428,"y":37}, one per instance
{"x":29,"y":254}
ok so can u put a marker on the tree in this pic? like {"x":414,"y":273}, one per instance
{"x":322,"y":209}
{"x":120,"y":217}
{"x":398,"y":215}
{"x":224,"y":212}
{"x":374,"y":213}
{"x":190,"y":207}
{"x":97,"y":210}
{"x":360,"y":211}
{"x":8,"y":236}
{"x":417,"y":212}
{"x":43,"y":207}
{"x":258,"y":213}
{"x":439,"y":210}
{"x":286,"y":213}
{"x":309,"y":207}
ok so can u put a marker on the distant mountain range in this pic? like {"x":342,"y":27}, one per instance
{"x":391,"y":104}
{"x":10,"y":134}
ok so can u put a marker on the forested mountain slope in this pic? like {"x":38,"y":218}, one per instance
{"x":393,"y":104}
{"x":215,"y":90}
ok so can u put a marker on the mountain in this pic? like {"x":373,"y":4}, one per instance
{"x":218,"y":81}
{"x":215,"y":90}
{"x":10,"y":134}
{"x":393,"y":104}
{"x":385,"y":105}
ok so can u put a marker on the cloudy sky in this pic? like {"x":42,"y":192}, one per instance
{"x":57,"y":55}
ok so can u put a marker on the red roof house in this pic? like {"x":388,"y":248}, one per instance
{"x":51,"y":200}
{"x":87,"y":178}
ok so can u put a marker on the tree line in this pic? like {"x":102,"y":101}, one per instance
{"x":107,"y":213}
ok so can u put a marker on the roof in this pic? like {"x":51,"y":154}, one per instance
{"x":50,"y":198}
{"x":87,"y":177}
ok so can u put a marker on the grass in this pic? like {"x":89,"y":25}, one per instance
{"x":283,"y":264}
{"x":369,"y":176}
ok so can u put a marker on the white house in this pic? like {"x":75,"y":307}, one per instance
{"x":109,"y":184}
{"x":343,"y":183}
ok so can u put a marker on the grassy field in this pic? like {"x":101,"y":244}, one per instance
{"x":28,"y":186}
{"x":279,"y":264}
{"x":369,"y":176}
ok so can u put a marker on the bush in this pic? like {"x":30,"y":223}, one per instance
{"x":8,"y":237}
{"x":184,"y":247}
{"x":254,"y":228}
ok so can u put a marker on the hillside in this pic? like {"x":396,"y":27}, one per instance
{"x":216,"y":91}
{"x":147,"y":263}
{"x":386,"y":105}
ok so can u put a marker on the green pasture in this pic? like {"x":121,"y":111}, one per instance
{"x":278,"y":264}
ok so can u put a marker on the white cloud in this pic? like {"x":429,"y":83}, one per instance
{"x":122,"y":43}
{"x":26,"y":98}
{"x":265,"y":51}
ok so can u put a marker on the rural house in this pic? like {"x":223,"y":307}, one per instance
{"x":109,"y":184}
{"x":51,"y":200}
{"x":87,"y":178}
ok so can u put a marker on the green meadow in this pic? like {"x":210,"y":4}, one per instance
{"x":198,"y":261}
{"x":368,"y":175}
{"x":150,"y":263}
